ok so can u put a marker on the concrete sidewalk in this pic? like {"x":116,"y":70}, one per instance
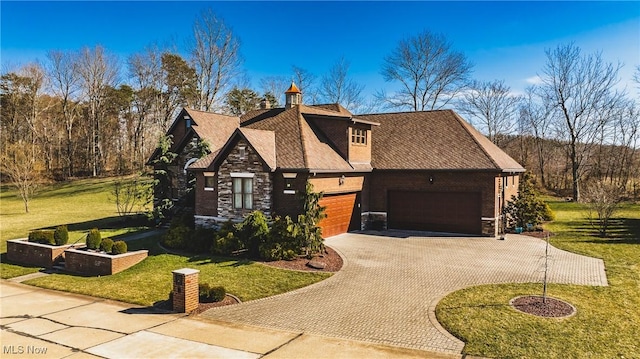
{"x":40,"y":323}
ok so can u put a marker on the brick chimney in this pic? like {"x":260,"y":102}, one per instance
{"x":265,"y":104}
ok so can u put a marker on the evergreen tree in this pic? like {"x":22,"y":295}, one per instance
{"x":527,"y":208}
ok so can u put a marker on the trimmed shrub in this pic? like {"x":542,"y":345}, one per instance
{"x":253,"y":232}
{"x":61,"y":235}
{"x":283,"y":241}
{"x":106,"y":245}
{"x":119,"y":247}
{"x":177,"y":237}
{"x":94,"y":239}
{"x":42,"y":236}
{"x":210,"y":294}
{"x":225,"y":241}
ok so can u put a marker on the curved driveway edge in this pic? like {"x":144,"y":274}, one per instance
{"x":391,"y":281}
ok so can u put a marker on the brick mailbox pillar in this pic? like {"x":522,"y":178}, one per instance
{"x":185,"y":290}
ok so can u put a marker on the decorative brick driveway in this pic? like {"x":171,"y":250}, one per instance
{"x":389,"y":285}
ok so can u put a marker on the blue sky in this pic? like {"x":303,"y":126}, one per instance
{"x":505,"y":40}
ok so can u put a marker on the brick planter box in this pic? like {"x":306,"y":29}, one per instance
{"x":94,"y":263}
{"x":36,"y":254}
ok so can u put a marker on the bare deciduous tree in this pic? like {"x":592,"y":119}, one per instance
{"x":98,"y":71}
{"x":305,"y":81}
{"x":536,"y":118}
{"x":337,"y":87}
{"x":64,"y":82}
{"x":603,"y":200}
{"x":429,"y":71}
{"x":492,"y":107}
{"x":215,"y":57}
{"x":22,"y":165}
{"x":275,"y":86}
{"x":581,"y":88}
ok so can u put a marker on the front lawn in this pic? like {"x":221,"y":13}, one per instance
{"x":81,"y":205}
{"x":607,"y":324}
{"x":151,"y":280}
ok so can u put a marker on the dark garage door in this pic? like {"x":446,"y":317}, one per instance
{"x":343,"y":214}
{"x":456,"y":212}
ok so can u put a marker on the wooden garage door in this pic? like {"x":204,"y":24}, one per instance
{"x":342,"y":211}
{"x":455,"y":212}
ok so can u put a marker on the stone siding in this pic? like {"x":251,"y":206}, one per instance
{"x":262,"y":183}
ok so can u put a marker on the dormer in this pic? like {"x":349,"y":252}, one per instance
{"x":359,"y":142}
{"x":293,"y":96}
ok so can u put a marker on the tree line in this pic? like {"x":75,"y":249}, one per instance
{"x":89,"y":113}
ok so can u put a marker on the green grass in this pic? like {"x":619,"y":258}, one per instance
{"x":86,"y":204}
{"x":607,"y":324}
{"x":150,"y":281}
{"x":81,"y":204}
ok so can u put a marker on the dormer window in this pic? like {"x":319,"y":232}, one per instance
{"x":243,"y":152}
{"x":187,"y":122}
{"x":359,"y":136}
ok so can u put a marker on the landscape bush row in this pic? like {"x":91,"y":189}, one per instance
{"x":56,"y":237}
{"x":258,"y":235}
{"x":95,"y":242}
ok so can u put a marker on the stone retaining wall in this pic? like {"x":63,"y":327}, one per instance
{"x":94,"y":263}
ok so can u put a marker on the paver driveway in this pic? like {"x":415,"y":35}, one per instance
{"x":389,"y":285}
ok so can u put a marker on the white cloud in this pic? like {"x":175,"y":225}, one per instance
{"x":534,"y":80}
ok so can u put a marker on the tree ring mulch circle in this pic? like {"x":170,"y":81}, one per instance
{"x":536,"y":305}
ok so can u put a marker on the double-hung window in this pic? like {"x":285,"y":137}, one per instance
{"x":242,"y":193}
{"x":359,"y":136}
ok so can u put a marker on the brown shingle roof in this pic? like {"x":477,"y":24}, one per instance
{"x":298,"y":146}
{"x":212,"y":127}
{"x":438,"y":140}
{"x":264,"y":142}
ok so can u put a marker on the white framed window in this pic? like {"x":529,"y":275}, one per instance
{"x":242,"y":192}
{"x":359,"y":136}
{"x":243,"y":152}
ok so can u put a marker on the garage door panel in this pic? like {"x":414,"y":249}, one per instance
{"x":340,"y":210}
{"x":458,"y":212}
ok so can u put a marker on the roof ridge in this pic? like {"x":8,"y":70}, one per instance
{"x":462,"y":123}
{"x":305,"y":156}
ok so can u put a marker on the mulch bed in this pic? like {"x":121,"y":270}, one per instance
{"x":331,"y":259}
{"x":551,"y":308}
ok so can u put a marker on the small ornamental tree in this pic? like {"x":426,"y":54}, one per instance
{"x":119,"y":247}
{"x":61,"y":235}
{"x":309,"y":230}
{"x":94,"y":239}
{"x":527,"y":208}
{"x":603,"y":200}
{"x":106,"y":245}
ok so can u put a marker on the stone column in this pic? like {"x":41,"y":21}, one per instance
{"x":185,"y":290}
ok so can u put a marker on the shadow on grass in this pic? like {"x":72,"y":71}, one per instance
{"x":619,"y":231}
{"x":205,"y":259}
{"x":113,"y":222}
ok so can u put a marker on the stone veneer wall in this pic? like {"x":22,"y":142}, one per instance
{"x":35,"y":254}
{"x":262,"y":185}
{"x":93,"y":263}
